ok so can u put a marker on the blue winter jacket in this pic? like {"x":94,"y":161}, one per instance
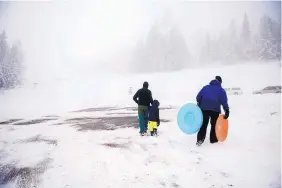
{"x":212,"y":96}
{"x":154,"y":112}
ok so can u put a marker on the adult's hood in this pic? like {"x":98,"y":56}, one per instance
{"x":146,"y":85}
{"x":215,"y":82}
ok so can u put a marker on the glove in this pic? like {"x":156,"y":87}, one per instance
{"x":226,"y":114}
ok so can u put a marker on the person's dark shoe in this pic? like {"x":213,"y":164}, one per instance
{"x":213,"y":142}
{"x":156,"y":132}
{"x":199,"y":143}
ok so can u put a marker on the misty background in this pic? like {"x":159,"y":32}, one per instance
{"x":58,"y":39}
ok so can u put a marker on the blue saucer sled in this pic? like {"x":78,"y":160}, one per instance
{"x":190,"y":118}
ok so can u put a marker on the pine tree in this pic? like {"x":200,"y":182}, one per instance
{"x":178,"y":50}
{"x":3,"y":46}
{"x":4,"y":50}
{"x":232,"y":44}
{"x":270,"y":39}
{"x":245,"y":39}
{"x":276,"y":31}
{"x":165,"y":49}
{"x":14,"y":62}
{"x":246,"y":33}
{"x":10,"y":63}
{"x":206,"y":51}
{"x":154,"y":49}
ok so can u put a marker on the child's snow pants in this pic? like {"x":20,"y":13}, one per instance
{"x":153,"y":125}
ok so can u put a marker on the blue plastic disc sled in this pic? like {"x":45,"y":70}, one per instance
{"x":190,"y":118}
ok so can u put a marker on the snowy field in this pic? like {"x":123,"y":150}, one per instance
{"x":57,"y":134}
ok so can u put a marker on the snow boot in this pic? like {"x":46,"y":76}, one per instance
{"x":213,"y":142}
{"x":155,"y":132}
{"x":199,"y":143}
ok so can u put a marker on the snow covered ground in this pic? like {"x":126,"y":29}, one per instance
{"x":48,"y":140}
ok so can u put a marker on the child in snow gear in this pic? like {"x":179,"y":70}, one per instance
{"x":210,"y":99}
{"x":154,"y":119}
{"x":143,"y":97}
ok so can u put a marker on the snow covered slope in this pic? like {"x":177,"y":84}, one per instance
{"x":99,"y":147}
{"x":91,"y":89}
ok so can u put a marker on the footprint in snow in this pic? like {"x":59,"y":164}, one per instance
{"x":175,"y":185}
{"x":224,"y":174}
{"x":163,"y":183}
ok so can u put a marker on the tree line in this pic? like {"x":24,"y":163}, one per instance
{"x":230,"y":47}
{"x":165,"y":48}
{"x":10,"y":63}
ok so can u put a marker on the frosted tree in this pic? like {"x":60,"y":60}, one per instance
{"x":14,"y":65}
{"x":154,"y":49}
{"x":276,"y":29}
{"x":4,"y":51}
{"x":138,"y":59}
{"x":256,"y":46}
{"x":164,"y":49}
{"x":10,"y":63}
{"x":217,"y":45}
{"x":232,"y":48}
{"x":246,"y":32}
{"x":146,"y":56}
{"x":211,"y":51}
{"x":277,"y":36}
{"x":245,"y":40}
{"x":206,"y":51}
{"x":178,"y":53}
{"x":270,"y":39}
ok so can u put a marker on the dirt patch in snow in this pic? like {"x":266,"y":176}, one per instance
{"x":9,"y":121}
{"x":24,"y":177}
{"x":117,"y":108}
{"x":96,"y":109}
{"x":175,"y":185}
{"x":39,"y":138}
{"x":121,"y":113}
{"x":52,"y":116}
{"x":35,"y":121}
{"x":105,"y":123}
{"x":115,"y":145}
{"x":3,"y":155}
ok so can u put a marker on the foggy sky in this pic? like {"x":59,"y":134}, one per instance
{"x":67,"y":35}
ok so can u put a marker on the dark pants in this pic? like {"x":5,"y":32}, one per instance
{"x":143,"y":118}
{"x":212,"y":117}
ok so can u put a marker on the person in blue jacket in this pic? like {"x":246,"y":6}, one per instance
{"x":210,"y":99}
{"x":154,"y":118}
